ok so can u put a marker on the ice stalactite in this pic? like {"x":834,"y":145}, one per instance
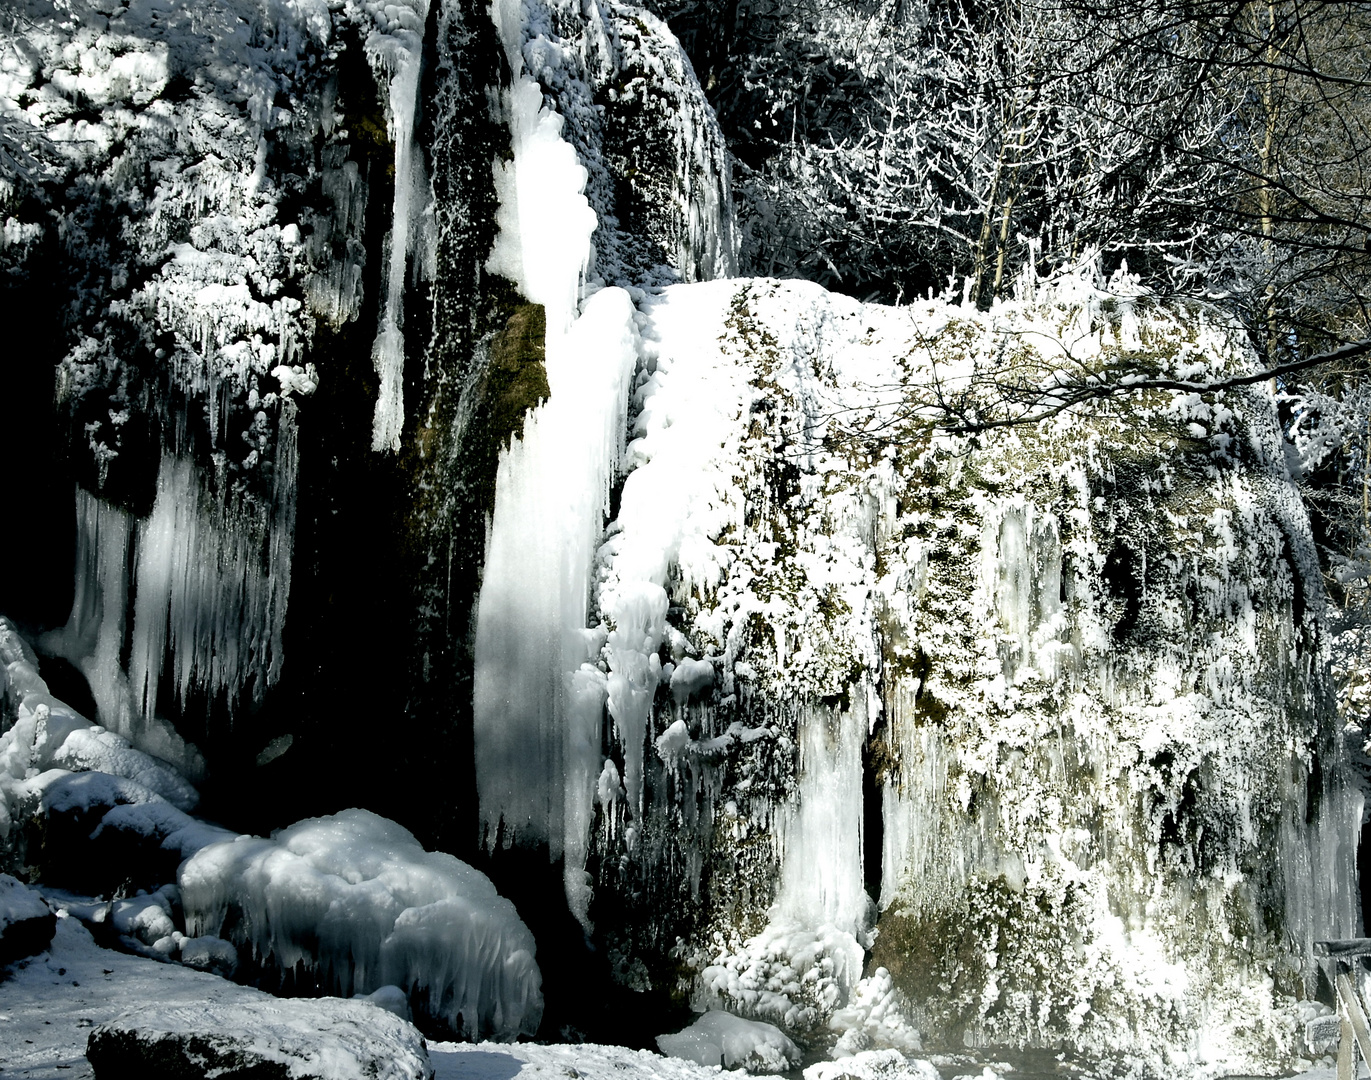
{"x":395,"y":49}
{"x":821,"y":833}
{"x":209,"y":581}
{"x":538,"y":698}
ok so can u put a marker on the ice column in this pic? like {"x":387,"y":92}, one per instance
{"x":538,"y":700}
{"x":821,"y":834}
{"x":395,"y":48}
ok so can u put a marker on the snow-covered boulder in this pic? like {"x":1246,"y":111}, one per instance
{"x":61,"y":775}
{"x":321,"y":1039}
{"x":26,"y":923}
{"x":719,"y":1038}
{"x":211,"y":954}
{"x":354,"y":899}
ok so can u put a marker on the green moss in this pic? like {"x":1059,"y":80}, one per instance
{"x":516,"y":380}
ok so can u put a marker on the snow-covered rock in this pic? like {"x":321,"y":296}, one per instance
{"x":1074,"y":673}
{"x":355,"y":900}
{"x":26,"y":923}
{"x":719,"y":1038}
{"x":300,"y":1039}
{"x":212,"y":954}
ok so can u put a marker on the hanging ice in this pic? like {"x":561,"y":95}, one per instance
{"x":538,"y":709}
{"x":395,"y":49}
{"x":210,"y":585}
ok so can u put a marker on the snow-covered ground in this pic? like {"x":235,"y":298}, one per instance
{"x":50,"y":1003}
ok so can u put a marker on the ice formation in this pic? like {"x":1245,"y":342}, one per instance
{"x":395,"y":49}
{"x":538,"y":697}
{"x":830,"y":680}
{"x":52,"y":759}
{"x":357,"y":902}
{"x":614,"y":83}
{"x":209,"y":591}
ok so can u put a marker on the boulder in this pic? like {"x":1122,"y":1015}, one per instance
{"x":264,"y":1039}
{"x":26,"y":923}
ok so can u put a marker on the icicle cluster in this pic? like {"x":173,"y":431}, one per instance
{"x":199,"y":588}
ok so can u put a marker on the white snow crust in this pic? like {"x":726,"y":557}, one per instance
{"x":49,"y":1006}
{"x":534,"y":1061}
{"x":18,"y":902}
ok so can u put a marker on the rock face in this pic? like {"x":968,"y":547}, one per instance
{"x":324,"y":1039}
{"x":275,"y":361}
{"x":1041,"y":717}
{"x":26,"y":923}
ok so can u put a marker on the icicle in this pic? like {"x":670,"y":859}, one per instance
{"x":821,"y":833}
{"x":396,"y":48}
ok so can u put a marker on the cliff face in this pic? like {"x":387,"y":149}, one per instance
{"x":254,"y":241}
{"x":1040,"y":717}
{"x":399,"y":481}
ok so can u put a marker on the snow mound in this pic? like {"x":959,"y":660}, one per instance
{"x":174,"y":829}
{"x":54,"y":759}
{"x":145,"y":924}
{"x":325,"y":1039}
{"x":355,"y":899}
{"x":210,"y":954}
{"x":63,"y":792}
{"x":718,"y":1037}
{"x":96,"y":749}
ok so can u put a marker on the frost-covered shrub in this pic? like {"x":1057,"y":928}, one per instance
{"x":355,"y":902}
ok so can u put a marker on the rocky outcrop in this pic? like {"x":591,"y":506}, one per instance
{"x":1036,"y":719}
{"x":256,"y":1036}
